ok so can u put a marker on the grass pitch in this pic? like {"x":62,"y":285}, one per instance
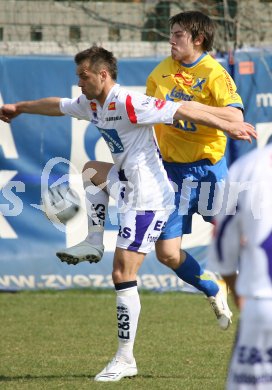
{"x":61,"y":340}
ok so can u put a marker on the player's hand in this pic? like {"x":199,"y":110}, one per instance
{"x":242,"y":131}
{"x":8,"y":112}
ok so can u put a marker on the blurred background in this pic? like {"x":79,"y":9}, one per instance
{"x":129,"y":28}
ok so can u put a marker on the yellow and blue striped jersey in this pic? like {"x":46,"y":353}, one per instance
{"x":205,"y":81}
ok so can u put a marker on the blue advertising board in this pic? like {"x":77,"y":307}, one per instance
{"x":31,"y":143}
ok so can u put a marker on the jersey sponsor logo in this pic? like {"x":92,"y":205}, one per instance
{"x":93,"y":106}
{"x":94,"y":119}
{"x":112,"y":139}
{"x":160,"y":103}
{"x":112,"y":106}
{"x":186,"y":78}
{"x":113,"y":118}
{"x":185,"y":126}
{"x":178,"y":94}
{"x":199,"y":84}
{"x":94,"y":110}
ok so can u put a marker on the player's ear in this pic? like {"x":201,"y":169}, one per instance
{"x":103,"y":74}
{"x":198,"y":41}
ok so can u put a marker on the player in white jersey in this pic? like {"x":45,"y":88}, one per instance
{"x":125,"y":121}
{"x":242,"y":253}
{"x":132,"y":151}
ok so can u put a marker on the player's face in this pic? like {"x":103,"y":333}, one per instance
{"x":182,"y":45}
{"x":90,"y":82}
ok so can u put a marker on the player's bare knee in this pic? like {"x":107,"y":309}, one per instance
{"x":116,"y":275}
{"x":91,"y":173}
{"x":183,"y":256}
{"x":119,"y":276}
{"x":96,"y":172}
{"x":171,"y":260}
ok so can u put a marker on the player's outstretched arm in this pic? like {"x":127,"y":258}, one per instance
{"x":231,"y":114}
{"x":236,"y":130}
{"x":47,"y":106}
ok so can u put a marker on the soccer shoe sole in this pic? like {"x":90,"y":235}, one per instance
{"x":130,"y":372}
{"x":74,"y":260}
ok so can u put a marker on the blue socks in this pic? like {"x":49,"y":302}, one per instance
{"x":191,"y":272}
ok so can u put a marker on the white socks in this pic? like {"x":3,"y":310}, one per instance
{"x":97,"y":206}
{"x":97,"y":201}
{"x":128,"y":311}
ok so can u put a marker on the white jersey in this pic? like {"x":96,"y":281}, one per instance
{"x":243,"y":232}
{"x":125,"y":122}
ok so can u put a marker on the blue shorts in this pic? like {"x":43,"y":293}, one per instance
{"x":195,"y":185}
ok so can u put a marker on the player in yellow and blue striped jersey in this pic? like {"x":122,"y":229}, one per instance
{"x":193,"y":154}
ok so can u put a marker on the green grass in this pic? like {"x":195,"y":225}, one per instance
{"x":61,"y":340}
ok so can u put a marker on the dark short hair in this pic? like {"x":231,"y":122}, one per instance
{"x":196,"y":23}
{"x":98,"y":57}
